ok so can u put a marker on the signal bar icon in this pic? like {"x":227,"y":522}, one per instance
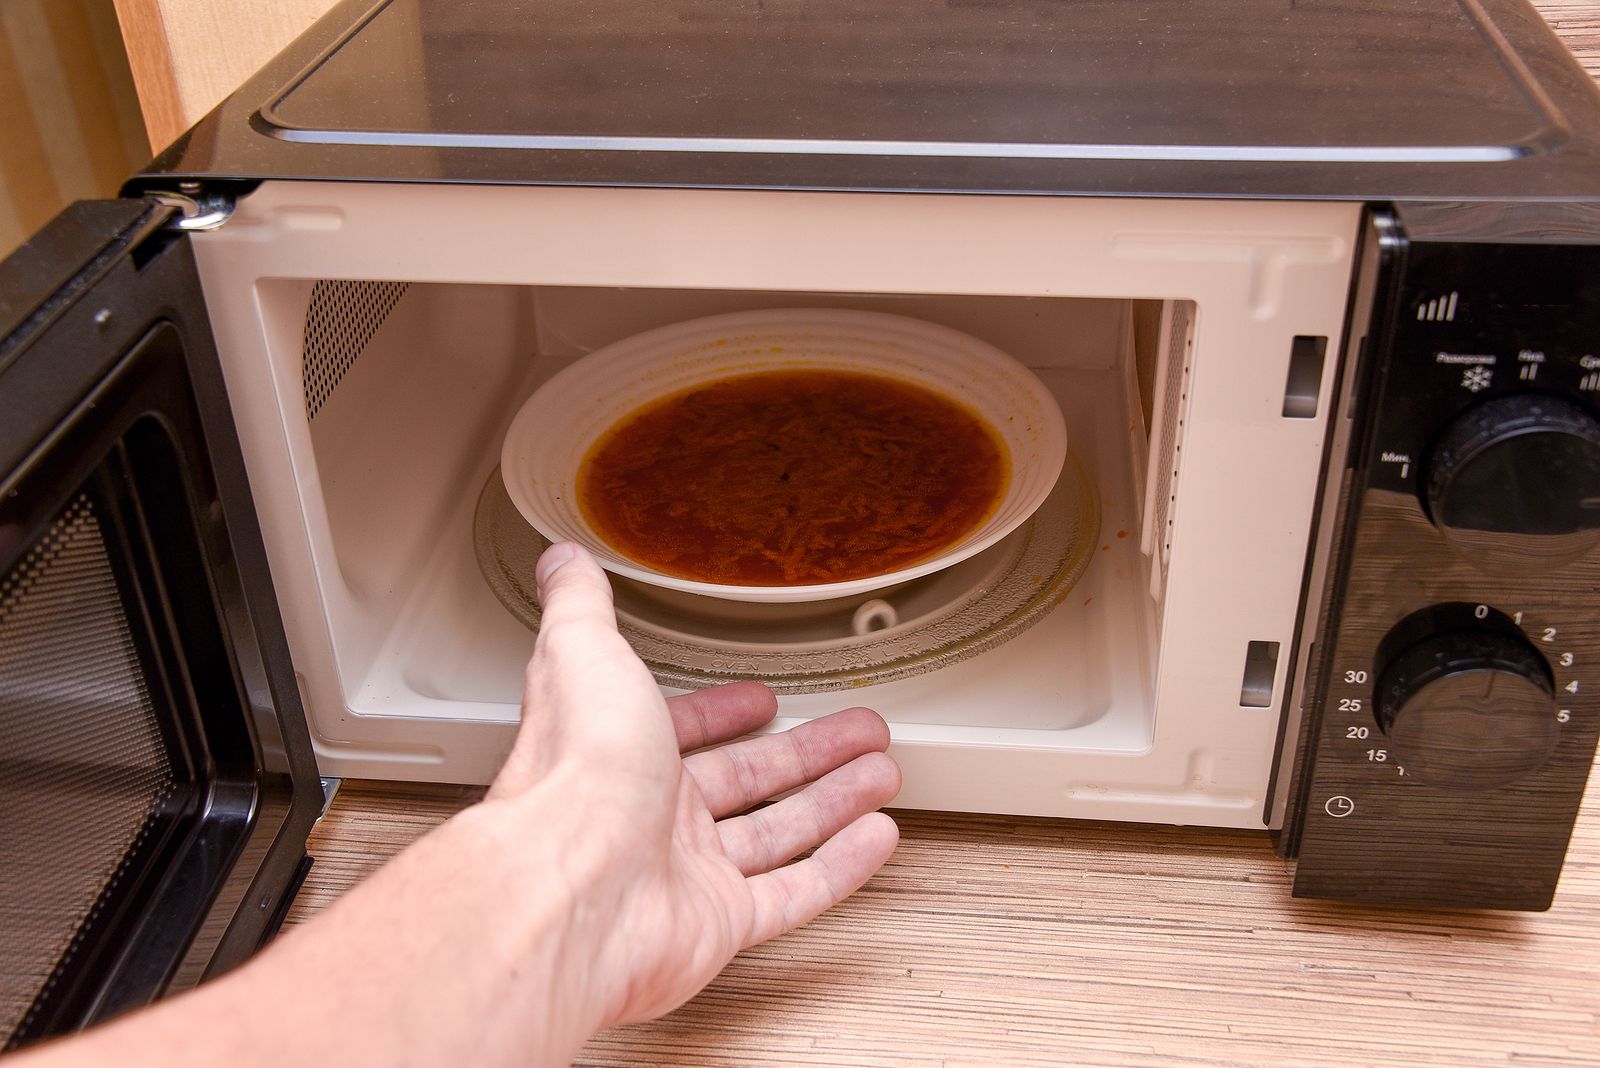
{"x":1438,"y":310}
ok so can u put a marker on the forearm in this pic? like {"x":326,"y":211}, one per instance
{"x":467,"y":949}
{"x":607,"y":879}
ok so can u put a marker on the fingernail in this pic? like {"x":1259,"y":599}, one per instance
{"x":560,"y":553}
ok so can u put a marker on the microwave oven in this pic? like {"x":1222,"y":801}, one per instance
{"x":1319,"y":304}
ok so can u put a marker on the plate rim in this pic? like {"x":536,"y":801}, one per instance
{"x":1052,"y":435}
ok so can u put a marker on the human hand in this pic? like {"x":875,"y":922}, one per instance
{"x":674,"y":879}
{"x":605,"y":879}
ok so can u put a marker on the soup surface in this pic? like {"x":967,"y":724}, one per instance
{"x":789,"y":478}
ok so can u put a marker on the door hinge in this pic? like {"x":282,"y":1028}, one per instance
{"x":198,"y":209}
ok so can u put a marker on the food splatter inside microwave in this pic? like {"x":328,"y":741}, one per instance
{"x":787,"y":478}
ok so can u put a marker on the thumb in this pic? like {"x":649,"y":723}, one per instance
{"x":573,"y":590}
{"x":579,"y":662}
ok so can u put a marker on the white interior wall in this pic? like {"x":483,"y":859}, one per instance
{"x":404,"y":442}
{"x":392,"y":442}
{"x":1041,"y":332}
{"x":453,"y":652}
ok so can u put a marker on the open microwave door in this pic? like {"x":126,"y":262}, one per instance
{"x":157,"y":782}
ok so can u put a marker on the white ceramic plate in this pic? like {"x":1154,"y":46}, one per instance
{"x":550,"y":436}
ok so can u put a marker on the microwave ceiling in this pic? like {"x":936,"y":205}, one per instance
{"x":1175,"y":97}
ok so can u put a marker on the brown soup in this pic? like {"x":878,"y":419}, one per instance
{"x":790,"y":478}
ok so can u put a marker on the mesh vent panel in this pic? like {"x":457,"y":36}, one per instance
{"x":341,"y":319}
{"x":82,"y":760}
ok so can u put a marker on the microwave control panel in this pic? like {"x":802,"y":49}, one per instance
{"x":1454,"y":696}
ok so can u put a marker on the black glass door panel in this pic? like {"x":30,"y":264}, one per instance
{"x":156,"y":780}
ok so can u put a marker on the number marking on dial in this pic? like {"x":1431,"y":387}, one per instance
{"x":1566,"y":659}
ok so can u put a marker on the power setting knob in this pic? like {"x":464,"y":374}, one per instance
{"x":1515,"y":482}
{"x":1469,"y":710}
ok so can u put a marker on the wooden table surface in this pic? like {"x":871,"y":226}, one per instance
{"x":994,"y":940}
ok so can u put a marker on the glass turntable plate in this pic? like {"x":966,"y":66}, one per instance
{"x":931,"y":622}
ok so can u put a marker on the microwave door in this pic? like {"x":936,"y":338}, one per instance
{"x":157,"y":781}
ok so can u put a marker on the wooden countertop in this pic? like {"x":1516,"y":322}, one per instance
{"x":993,"y":940}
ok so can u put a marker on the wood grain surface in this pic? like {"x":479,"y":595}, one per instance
{"x":994,"y":940}
{"x":187,"y":55}
{"x":144,"y":33}
{"x":70,"y":125}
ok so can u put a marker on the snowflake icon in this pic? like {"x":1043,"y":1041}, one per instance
{"x":1475,"y":378}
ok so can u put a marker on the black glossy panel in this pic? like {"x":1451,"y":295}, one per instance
{"x":1242,"y":98}
{"x":1113,"y":76}
{"x":1456,"y":705}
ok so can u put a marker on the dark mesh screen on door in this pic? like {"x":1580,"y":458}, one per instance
{"x":83,"y":763}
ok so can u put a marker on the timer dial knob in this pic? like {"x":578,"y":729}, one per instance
{"x":1516,"y":482}
{"x":1469,"y":710}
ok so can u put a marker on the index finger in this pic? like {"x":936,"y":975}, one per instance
{"x":721,"y":713}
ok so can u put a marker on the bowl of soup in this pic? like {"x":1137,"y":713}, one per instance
{"x":786,"y":455}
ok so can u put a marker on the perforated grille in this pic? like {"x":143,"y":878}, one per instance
{"x":82,"y":760}
{"x":341,"y":319}
{"x":1166,"y":446}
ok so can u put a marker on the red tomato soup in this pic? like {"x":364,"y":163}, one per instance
{"x":789,"y":478}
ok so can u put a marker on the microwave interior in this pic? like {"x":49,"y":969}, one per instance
{"x":377,"y":340}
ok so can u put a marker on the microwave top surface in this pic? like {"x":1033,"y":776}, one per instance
{"x":1322,"y":98}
